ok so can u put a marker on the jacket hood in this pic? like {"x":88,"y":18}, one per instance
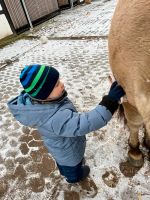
{"x":32,"y":113}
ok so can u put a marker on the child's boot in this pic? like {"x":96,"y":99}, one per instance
{"x":85,"y":172}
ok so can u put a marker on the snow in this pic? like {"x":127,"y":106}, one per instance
{"x":84,"y":68}
{"x":16,"y":49}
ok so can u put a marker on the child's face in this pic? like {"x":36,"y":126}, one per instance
{"x":57,"y":91}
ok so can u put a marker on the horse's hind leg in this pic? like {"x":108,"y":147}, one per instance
{"x":147,"y":138}
{"x":134,"y":122}
{"x":142,"y":102}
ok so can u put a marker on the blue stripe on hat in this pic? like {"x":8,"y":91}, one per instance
{"x":30,"y":73}
{"x":39,"y":82}
{"x":46,"y":80}
{"x":23,"y":71}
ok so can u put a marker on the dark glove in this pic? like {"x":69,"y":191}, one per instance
{"x":116,"y":91}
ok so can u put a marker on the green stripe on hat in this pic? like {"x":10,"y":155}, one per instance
{"x":37,"y":91}
{"x":36,"y":79}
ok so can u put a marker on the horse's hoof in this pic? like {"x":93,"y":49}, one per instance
{"x":136,"y":158}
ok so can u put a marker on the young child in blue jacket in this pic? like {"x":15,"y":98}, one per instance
{"x":44,"y":105}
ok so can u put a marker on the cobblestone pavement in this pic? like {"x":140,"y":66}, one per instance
{"x":80,"y":60}
{"x":84,"y":67}
{"x":81,"y":21}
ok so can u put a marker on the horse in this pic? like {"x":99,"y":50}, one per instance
{"x":129,"y":58}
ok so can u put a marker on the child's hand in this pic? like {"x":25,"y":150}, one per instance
{"x":116,"y":91}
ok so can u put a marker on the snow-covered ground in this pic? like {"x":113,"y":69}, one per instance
{"x":27,"y":171}
{"x":89,"y":20}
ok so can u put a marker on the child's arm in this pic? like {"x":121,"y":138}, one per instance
{"x":67,"y":123}
{"x":71,"y":124}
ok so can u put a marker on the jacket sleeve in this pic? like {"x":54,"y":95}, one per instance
{"x":68,"y":123}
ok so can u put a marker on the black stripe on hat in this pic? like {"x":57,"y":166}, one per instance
{"x":49,"y":84}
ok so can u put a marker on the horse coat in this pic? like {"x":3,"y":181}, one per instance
{"x":129,"y":57}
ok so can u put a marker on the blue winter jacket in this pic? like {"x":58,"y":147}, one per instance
{"x":61,"y":127}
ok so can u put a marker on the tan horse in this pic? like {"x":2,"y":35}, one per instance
{"x":129,"y":55}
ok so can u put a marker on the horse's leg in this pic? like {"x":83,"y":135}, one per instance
{"x":146,"y":142}
{"x":142,"y":103}
{"x":134,"y":121}
{"x":147,"y":137}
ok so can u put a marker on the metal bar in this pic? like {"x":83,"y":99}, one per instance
{"x":2,"y":12}
{"x":26,"y":12}
{"x":71,"y":3}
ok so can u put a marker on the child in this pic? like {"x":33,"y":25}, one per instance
{"x":43,"y":104}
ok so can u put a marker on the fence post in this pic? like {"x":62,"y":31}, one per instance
{"x":26,"y":13}
{"x":71,"y":3}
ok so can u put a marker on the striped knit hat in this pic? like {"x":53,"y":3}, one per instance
{"x":39,"y":80}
